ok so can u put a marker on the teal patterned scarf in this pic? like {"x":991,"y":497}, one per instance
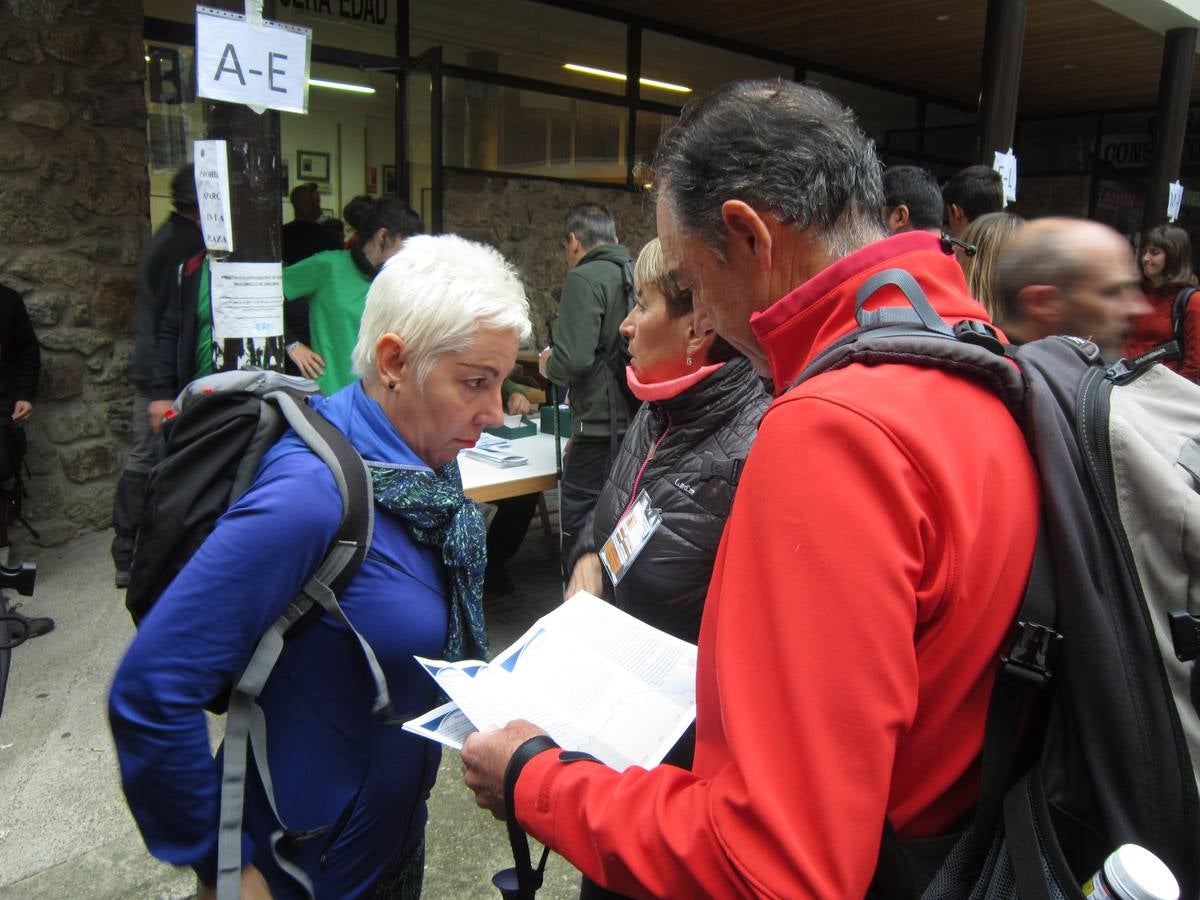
{"x":432,"y":505}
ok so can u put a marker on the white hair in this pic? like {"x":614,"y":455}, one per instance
{"x":437,"y":293}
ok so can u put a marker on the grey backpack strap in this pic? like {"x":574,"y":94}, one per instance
{"x":919,"y":310}
{"x":245,"y":727}
{"x":242,"y":704}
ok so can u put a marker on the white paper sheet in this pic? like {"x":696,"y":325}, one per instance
{"x":595,"y":678}
{"x":247,"y":300}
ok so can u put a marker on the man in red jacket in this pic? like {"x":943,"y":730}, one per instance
{"x":871,"y":567}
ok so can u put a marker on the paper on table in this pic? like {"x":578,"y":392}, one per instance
{"x":595,"y":678}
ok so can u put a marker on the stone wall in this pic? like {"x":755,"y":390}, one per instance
{"x":73,"y":213}
{"x":523,"y":218}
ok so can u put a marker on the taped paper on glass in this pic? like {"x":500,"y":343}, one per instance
{"x":247,"y":300}
{"x":264,"y":65}
{"x":212,"y":194}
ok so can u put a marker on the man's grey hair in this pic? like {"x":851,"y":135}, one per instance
{"x":437,"y":293}
{"x":591,"y":223}
{"x":781,"y":147}
{"x":1053,"y":251}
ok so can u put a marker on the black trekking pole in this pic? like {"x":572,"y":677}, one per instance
{"x":558,"y":463}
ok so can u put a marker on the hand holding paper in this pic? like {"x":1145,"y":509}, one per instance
{"x":595,"y":678}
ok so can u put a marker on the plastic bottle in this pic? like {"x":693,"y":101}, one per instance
{"x":1132,"y":873}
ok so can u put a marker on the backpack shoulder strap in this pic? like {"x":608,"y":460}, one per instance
{"x":917,"y":335}
{"x":1179,"y":314}
{"x":245,"y":724}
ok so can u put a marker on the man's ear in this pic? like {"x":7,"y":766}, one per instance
{"x":391,"y":358}
{"x":956,"y":218}
{"x":898,"y":219}
{"x":1043,"y":304}
{"x":747,"y":233}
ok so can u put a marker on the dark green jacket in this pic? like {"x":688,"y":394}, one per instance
{"x":589,"y":315}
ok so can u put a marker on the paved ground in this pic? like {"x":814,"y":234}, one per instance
{"x":65,"y":831}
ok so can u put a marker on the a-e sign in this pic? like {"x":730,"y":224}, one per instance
{"x":264,"y":68}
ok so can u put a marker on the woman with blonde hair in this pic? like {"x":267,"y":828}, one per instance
{"x":989,"y":234}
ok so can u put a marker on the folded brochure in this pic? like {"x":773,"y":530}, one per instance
{"x":496,"y":456}
{"x":594,"y":677}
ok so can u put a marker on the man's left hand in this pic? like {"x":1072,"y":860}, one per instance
{"x":21,"y":410}
{"x":543,"y":358}
{"x":485,"y":757}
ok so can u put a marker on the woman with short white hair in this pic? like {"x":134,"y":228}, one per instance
{"x":440,"y":331}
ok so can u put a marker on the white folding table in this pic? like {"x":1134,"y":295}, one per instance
{"x":483,"y":482}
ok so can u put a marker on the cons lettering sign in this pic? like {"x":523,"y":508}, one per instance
{"x":1133,"y":151}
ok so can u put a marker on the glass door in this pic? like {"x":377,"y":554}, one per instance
{"x":419,"y":121}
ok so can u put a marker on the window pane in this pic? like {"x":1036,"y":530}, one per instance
{"x":174,"y":119}
{"x":509,"y":130}
{"x":650,"y":127}
{"x":880,"y":113}
{"x":696,"y":67}
{"x":354,"y":130}
{"x":1056,"y":145}
{"x":950,"y":133}
{"x":519,"y":37}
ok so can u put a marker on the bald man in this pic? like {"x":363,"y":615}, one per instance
{"x":1069,"y":276}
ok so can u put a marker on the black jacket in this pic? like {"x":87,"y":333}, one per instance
{"x":590,"y":313}
{"x":691,"y":478}
{"x":177,"y":239}
{"x":174,"y":360}
{"x":20,"y":356}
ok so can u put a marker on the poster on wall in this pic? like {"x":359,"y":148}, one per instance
{"x":247,"y":300}
{"x":212,"y":193}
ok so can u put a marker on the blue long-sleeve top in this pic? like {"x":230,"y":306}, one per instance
{"x":359,"y":784}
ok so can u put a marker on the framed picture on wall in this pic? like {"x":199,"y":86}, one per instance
{"x":312,"y":166}
{"x":390,"y":188}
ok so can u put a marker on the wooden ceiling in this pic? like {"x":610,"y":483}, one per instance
{"x":1079,"y":56}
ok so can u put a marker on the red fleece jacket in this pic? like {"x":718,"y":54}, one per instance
{"x":1154,"y":329}
{"x":870,"y":570}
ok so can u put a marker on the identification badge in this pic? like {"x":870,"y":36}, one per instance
{"x":632,"y":534}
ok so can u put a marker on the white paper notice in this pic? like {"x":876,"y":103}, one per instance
{"x":1174,"y":200}
{"x":212,"y":192}
{"x":247,"y":300}
{"x":263,"y":67}
{"x":1006,"y":165}
{"x":595,"y":678}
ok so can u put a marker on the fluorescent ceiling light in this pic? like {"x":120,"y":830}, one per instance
{"x":618,"y":76}
{"x":342,"y":86}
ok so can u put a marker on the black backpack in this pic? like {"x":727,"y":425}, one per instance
{"x":617,"y":359}
{"x":1101,"y":680}
{"x":1178,"y":318}
{"x":221,"y":427}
